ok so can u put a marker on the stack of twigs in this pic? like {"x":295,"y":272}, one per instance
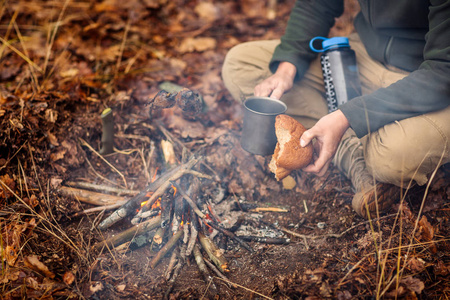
{"x":170,"y":214}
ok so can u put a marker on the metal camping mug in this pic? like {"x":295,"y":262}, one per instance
{"x":258,"y":133}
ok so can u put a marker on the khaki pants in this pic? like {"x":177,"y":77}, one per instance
{"x":397,"y":153}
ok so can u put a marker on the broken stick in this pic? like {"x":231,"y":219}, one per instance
{"x":213,"y":252}
{"x":131,"y":232}
{"x":90,"y":197}
{"x":169,"y":245}
{"x":203,"y":269}
{"x":189,"y":201}
{"x":134,"y":203}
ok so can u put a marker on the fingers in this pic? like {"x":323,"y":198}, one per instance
{"x":277,"y":93}
{"x":274,"y":87}
{"x":306,"y":138}
{"x":321,"y":160}
{"x":320,"y":166}
{"x":262,"y":90}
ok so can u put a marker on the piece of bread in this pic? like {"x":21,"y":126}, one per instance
{"x":288,"y":154}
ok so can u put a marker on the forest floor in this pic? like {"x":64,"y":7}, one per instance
{"x":62,"y":63}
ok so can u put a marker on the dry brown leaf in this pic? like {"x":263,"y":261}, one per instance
{"x":13,"y":241}
{"x":197,"y":44}
{"x":110,"y":54}
{"x":51,"y":115}
{"x":96,"y":286}
{"x":426,"y":230}
{"x":33,"y":263}
{"x":416,"y":264}
{"x":442,"y":269}
{"x":71,"y":157}
{"x":32,"y":282}
{"x":9,"y":274}
{"x":413,"y":284}
{"x":12,"y":252}
{"x":58,"y":155}
{"x":107,"y":5}
{"x":68,"y":278}
{"x":69,"y":73}
{"x":32,"y":201}
{"x":9,"y":182}
{"x":368,"y":239}
{"x":207,"y":11}
{"x":52,"y":139}
{"x":169,"y":153}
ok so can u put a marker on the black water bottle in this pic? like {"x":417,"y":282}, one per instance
{"x":339,"y":69}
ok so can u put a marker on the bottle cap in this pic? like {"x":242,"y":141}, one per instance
{"x":331,"y":43}
{"x":335,"y":42}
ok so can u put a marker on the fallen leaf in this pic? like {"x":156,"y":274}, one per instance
{"x":413,"y":284}
{"x":96,"y":286}
{"x":68,"y":278}
{"x":416,"y":264}
{"x":10,"y":183}
{"x":58,"y":155}
{"x":368,"y":239}
{"x":69,"y":73}
{"x":426,"y":232}
{"x":207,"y":11}
{"x":52,"y":139}
{"x":197,"y":44}
{"x":425,"y":229}
{"x":442,"y":269}
{"x":33,"y":263}
{"x":51,"y":115}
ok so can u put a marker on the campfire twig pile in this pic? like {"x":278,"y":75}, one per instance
{"x":171,"y":214}
{"x":171,"y":210}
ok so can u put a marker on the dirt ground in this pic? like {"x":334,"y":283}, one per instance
{"x":62,"y":63}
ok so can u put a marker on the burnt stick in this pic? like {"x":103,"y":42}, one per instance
{"x":176,"y":271}
{"x":169,"y":245}
{"x":131,"y":232}
{"x":203,"y":270}
{"x":134,"y":203}
{"x":237,"y":224}
{"x":189,"y":201}
{"x":213,"y":252}
{"x":194,"y":233}
{"x":230,"y":235}
{"x":173,"y":260}
{"x":265,"y":240}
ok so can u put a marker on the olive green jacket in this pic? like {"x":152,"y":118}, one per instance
{"x":413,"y":35}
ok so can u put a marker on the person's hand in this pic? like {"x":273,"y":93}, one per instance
{"x":279,"y":83}
{"x":328,"y":132}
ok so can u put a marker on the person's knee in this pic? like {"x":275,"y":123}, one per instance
{"x":386,"y":159}
{"x":230,"y":70}
{"x":243,"y":67}
{"x":236,"y":58}
{"x":398,"y":158}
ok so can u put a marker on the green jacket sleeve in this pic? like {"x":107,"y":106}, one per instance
{"x":308,"y":19}
{"x":424,"y":90}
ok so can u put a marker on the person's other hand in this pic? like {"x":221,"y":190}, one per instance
{"x":328,"y":132}
{"x":279,"y":83}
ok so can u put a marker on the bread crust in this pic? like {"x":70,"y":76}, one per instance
{"x":288,"y":154}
